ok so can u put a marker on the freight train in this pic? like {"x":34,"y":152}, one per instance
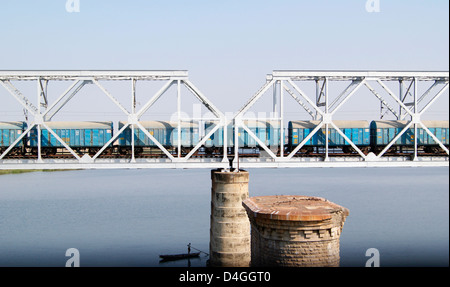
{"x":90,"y":137}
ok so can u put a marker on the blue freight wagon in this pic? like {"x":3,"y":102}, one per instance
{"x":217,"y":138}
{"x":166,"y":133}
{"x":357,"y":131}
{"x":74,"y":134}
{"x":9,"y":132}
{"x":383,"y":132}
{"x":267,"y":132}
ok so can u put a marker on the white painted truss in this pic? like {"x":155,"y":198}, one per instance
{"x":322,"y":106}
{"x":325,"y":104}
{"x":43,"y":113}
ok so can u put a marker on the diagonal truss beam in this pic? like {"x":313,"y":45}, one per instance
{"x":63,"y":99}
{"x":395,"y":139}
{"x":203,"y":99}
{"x":299,"y":101}
{"x":158,"y":144}
{"x":386,"y":88}
{"x":19,"y":97}
{"x":305,"y":140}
{"x":355,"y":85}
{"x":30,"y":127}
{"x":358,"y":150}
{"x":115,"y":101}
{"x":61,"y":141}
{"x":203,"y":140}
{"x":303,"y":95}
{"x":383,"y":102}
{"x":435,"y":98}
{"x":110,"y":142}
{"x":434,"y":138}
{"x":255,"y":98}
{"x":263,"y":145}
{"x":416,"y":116}
{"x":212,"y":108}
{"x":155,"y":98}
{"x":435,"y":84}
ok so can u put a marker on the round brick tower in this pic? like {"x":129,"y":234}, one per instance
{"x":294,"y":231}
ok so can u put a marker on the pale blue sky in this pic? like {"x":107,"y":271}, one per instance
{"x":227,"y":46}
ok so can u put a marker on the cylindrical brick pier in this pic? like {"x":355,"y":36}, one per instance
{"x":295,"y":231}
{"x":230,"y":226}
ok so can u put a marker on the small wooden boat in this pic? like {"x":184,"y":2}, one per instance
{"x":171,"y":257}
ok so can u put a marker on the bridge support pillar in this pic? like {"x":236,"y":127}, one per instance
{"x":230,"y":226}
{"x":295,"y":231}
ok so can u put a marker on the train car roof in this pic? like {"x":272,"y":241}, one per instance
{"x":79,"y":125}
{"x":254,"y":123}
{"x":339,"y":124}
{"x":13,"y":125}
{"x":402,"y":124}
{"x":436,"y":124}
{"x":261,"y":123}
{"x":163,"y":124}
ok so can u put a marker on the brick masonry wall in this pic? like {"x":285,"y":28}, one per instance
{"x":296,"y":243}
{"x":230,"y":226}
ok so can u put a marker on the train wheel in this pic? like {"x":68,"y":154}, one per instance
{"x":93,"y":151}
{"x":433,"y":149}
{"x":49,"y":151}
{"x":138,"y":150}
{"x":211,"y":151}
{"x":348,"y":149}
{"x":109,"y":151}
{"x":307,"y":150}
{"x":365,"y":150}
{"x":123,"y":150}
{"x":392,"y":149}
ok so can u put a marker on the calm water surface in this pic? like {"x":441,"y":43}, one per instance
{"x":129,"y":217}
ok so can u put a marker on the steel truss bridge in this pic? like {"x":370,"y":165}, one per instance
{"x":323,"y":105}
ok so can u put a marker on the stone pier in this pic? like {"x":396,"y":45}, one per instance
{"x":294,"y":231}
{"x":230,"y":226}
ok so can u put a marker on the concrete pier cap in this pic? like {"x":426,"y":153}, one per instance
{"x":294,"y":231}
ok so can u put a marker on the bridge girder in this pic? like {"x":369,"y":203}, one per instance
{"x":320,"y":106}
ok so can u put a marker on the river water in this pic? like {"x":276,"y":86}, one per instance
{"x":129,"y":217}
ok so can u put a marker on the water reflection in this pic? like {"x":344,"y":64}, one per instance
{"x":130,"y":217}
